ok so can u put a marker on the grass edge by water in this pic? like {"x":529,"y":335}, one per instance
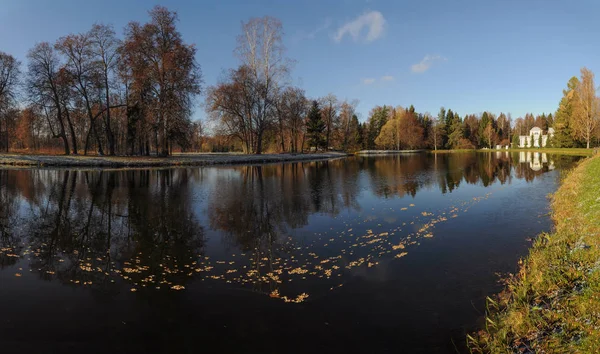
{"x":177,"y":160}
{"x":558,"y":151}
{"x":552,"y":305}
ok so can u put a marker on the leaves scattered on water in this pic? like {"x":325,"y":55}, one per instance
{"x":286,"y":262}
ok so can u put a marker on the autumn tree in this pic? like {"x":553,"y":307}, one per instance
{"x":377,"y":119}
{"x":389,"y":135}
{"x":165,"y":76}
{"x":586,"y":117}
{"x":411,"y":135}
{"x":489,"y":135}
{"x":471,"y":129}
{"x":401,"y":131}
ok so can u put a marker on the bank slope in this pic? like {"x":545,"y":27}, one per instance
{"x":205,"y":159}
{"x":553,"y":304}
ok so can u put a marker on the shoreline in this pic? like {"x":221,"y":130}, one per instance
{"x":177,"y":160}
{"x":387,"y":152}
{"x":552,"y":303}
{"x":558,"y":151}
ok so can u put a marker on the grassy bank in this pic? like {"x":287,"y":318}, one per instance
{"x":553,"y":304}
{"x":147,"y":161}
{"x":558,"y":151}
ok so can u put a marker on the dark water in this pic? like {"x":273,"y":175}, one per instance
{"x":383,"y":254}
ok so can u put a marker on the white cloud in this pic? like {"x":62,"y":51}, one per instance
{"x":323,"y":27}
{"x":368,"y":81}
{"x":373,"y":21}
{"x":387,"y":78}
{"x":426,"y":63}
{"x":312,"y":34}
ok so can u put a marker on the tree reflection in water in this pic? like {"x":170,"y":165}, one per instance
{"x":141,"y":229}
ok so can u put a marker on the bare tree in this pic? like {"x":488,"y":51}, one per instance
{"x":9,"y":80}
{"x":105,"y":51}
{"x":260,"y":48}
{"x":437,"y":131}
{"x":84,"y":72}
{"x":43,"y":88}
{"x":330,"y":116}
{"x":293,"y":106}
{"x":347,"y":110}
{"x":232,"y":105}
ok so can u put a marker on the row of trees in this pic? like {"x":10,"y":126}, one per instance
{"x":404,"y":128}
{"x":256,"y":107}
{"x":576,"y":124}
{"x":95,"y":91}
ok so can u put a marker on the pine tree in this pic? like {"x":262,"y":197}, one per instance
{"x":483,"y":123}
{"x":449,"y":127}
{"x":315,"y":127}
{"x":563,"y":134}
{"x":456,"y":134}
{"x":355,"y":133}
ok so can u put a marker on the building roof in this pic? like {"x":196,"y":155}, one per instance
{"x":534,"y":129}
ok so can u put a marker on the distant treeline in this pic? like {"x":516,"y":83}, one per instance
{"x":135,"y":95}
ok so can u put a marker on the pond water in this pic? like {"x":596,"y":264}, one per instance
{"x":370,"y":254}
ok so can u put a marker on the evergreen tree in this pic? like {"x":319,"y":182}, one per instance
{"x":441,"y":117}
{"x":483,"y":123}
{"x":456,"y":132}
{"x":515,"y":141}
{"x":563,"y":134}
{"x":315,"y":127}
{"x":377,"y":119}
{"x":355,"y":132}
{"x":449,"y":127}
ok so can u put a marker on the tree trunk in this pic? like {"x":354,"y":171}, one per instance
{"x":73,"y":137}
{"x":259,"y":143}
{"x":109,"y":133}
{"x":87,"y":142}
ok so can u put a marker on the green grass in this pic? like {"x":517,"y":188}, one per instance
{"x":553,"y":304}
{"x":559,"y":151}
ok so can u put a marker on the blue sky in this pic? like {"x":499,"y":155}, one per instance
{"x":470,"y":56}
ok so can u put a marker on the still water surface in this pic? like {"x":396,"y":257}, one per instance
{"x":364,"y":254}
